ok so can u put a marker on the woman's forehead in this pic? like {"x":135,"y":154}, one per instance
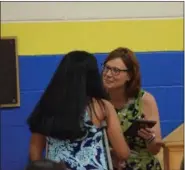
{"x":117,"y":62}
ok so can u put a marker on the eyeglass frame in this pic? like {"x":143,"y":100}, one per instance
{"x":111,"y":69}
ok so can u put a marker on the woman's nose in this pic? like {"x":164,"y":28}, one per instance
{"x":109,"y":73}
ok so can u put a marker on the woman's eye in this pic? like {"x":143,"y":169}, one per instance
{"x":115,"y":70}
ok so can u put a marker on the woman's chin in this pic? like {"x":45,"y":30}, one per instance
{"x":109,"y":87}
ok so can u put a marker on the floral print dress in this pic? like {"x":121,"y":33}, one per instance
{"x":140,"y":158}
{"x":87,"y":153}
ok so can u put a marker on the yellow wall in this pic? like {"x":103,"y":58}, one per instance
{"x":97,"y":37}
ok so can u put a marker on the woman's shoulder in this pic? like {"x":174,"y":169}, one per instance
{"x":148,"y":98}
{"x":149,"y":104}
{"x":101,"y":108}
{"x":105,"y":102}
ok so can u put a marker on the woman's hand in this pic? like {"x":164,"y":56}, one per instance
{"x":147,"y":134}
{"x":119,"y":165}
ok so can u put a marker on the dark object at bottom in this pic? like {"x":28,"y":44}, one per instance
{"x":45,"y":164}
{"x":182,"y":164}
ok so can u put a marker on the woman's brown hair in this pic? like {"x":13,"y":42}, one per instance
{"x":128,"y":57}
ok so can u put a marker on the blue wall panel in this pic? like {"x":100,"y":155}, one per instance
{"x":162,"y":68}
{"x":17,"y":116}
{"x":170,"y":102}
{"x":35,"y":72}
{"x":162,"y":75}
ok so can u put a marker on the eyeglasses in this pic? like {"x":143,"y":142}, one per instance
{"x":114,"y":70}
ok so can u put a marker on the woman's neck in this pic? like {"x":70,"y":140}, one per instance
{"x":118,"y":98}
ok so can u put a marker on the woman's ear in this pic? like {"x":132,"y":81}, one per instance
{"x":128,"y":77}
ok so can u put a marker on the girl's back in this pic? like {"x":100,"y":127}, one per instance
{"x":80,"y":154}
{"x":89,"y":152}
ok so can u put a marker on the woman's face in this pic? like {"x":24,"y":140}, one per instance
{"x":115,"y":74}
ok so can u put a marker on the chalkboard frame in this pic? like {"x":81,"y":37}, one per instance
{"x":17,"y":103}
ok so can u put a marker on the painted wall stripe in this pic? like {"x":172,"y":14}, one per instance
{"x":98,"y":36}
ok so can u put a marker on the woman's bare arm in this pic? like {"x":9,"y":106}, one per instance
{"x":115,"y":134}
{"x":150,"y":110}
{"x":37,"y":145}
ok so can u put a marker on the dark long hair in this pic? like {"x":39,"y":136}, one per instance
{"x":59,"y":113}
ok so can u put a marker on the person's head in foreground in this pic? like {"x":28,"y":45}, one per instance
{"x":45,"y":165}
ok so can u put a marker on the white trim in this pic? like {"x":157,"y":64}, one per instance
{"x":89,"y":20}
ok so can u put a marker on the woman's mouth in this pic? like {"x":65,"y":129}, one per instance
{"x":107,"y":81}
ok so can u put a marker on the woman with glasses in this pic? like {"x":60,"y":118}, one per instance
{"x":121,"y":78}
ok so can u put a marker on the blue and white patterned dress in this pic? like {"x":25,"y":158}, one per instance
{"x":87,"y":153}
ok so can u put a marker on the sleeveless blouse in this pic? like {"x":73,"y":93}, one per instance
{"x":141,"y":158}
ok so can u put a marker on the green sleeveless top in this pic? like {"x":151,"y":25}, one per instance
{"x":141,"y":158}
